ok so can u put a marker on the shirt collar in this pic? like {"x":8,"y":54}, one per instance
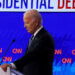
{"x":37,"y":31}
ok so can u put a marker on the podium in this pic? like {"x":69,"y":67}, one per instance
{"x":10,"y":71}
{"x":5,"y":73}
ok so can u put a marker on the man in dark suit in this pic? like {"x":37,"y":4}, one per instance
{"x":38,"y":58}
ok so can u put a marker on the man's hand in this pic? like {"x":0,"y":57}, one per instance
{"x":4,"y":67}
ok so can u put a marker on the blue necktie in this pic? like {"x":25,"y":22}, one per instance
{"x":30,"y":41}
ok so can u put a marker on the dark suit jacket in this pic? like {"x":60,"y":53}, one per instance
{"x":38,"y":59}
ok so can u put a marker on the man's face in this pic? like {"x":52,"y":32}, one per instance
{"x":29,"y":24}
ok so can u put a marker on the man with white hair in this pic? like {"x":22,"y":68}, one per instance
{"x":38,"y":58}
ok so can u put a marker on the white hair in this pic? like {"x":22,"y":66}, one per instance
{"x":34,"y":14}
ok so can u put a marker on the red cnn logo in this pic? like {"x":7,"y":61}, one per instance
{"x":0,"y":50}
{"x":73,"y":52}
{"x":59,"y":51}
{"x":66,"y":60}
{"x":17,"y":51}
{"x":7,"y":59}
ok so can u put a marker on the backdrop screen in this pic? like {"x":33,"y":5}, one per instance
{"x":59,"y":24}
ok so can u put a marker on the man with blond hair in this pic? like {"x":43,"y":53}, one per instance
{"x":38,"y":58}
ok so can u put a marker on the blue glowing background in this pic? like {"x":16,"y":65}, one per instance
{"x":60,"y":25}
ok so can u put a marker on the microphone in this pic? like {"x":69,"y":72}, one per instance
{"x":7,"y":50}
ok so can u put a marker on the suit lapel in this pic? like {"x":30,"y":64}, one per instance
{"x":35,"y":40}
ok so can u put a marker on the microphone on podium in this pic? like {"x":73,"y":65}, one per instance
{"x":7,"y":50}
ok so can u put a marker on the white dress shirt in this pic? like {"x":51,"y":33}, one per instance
{"x":38,"y":30}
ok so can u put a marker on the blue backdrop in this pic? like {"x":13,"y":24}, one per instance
{"x":60,"y":25}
